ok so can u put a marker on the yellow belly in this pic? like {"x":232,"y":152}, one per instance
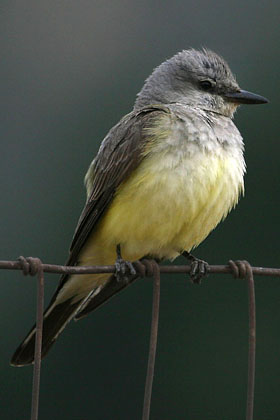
{"x":161,"y":212}
{"x":162,"y":209}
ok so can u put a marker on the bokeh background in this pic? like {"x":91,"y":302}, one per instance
{"x":69,"y":71}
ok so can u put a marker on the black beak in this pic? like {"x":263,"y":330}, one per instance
{"x":244,"y":97}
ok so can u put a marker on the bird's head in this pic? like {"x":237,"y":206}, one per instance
{"x":200,"y":79}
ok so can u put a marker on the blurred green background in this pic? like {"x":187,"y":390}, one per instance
{"x":69,"y":71}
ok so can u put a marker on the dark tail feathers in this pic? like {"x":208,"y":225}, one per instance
{"x":56,"y":318}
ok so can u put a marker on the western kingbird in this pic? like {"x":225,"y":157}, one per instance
{"x":163,"y":178}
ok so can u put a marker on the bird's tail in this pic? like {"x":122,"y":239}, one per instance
{"x":56,"y":317}
{"x":60,"y":312}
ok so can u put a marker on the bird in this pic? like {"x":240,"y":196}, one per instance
{"x":164,"y":176}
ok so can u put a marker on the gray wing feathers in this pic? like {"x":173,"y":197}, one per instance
{"x":119,"y":154}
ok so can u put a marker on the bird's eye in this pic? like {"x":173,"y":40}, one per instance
{"x":206,"y":84}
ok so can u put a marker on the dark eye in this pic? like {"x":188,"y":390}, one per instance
{"x":206,"y":84}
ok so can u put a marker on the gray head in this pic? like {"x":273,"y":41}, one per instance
{"x":196,"y":78}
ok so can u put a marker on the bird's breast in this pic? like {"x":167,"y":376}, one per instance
{"x":173,"y":200}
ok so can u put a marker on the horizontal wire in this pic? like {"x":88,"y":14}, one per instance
{"x":96,"y":269}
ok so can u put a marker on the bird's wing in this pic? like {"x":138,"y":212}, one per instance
{"x":119,"y":154}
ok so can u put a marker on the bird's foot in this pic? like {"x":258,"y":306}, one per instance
{"x":199,"y":268}
{"x":124,"y":269}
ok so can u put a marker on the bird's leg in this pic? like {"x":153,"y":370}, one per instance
{"x":124,"y":269}
{"x":199,"y":268}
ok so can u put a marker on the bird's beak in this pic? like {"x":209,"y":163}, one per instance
{"x":244,"y":97}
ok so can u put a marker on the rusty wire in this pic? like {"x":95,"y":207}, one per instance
{"x":252,"y":343}
{"x":151,"y":269}
{"x":33,"y":266}
{"x":38,"y":345}
{"x":241,"y":269}
{"x":170,"y":269}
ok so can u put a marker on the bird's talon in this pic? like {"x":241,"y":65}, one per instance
{"x":124,"y":269}
{"x":199,"y":269}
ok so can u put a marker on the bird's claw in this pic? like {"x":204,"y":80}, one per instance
{"x":124,"y":269}
{"x":199,"y":269}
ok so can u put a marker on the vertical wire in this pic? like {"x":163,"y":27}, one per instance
{"x":153,"y":344}
{"x":38,"y":346}
{"x":252,"y":343}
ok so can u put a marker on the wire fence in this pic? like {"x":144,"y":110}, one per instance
{"x":239,"y":269}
